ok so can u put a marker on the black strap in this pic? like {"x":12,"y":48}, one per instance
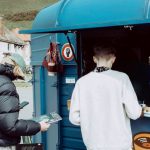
{"x":101,"y":69}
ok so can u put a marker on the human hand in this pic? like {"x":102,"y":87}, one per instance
{"x":44,"y":126}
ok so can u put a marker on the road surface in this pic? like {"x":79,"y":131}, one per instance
{"x":25,"y":92}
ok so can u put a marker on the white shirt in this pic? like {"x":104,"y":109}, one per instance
{"x":102,"y":104}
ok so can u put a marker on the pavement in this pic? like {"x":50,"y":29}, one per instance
{"x":24,"y":83}
{"x":25,"y":91}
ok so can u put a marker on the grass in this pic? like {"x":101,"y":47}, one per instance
{"x":21,"y":16}
{"x":19,"y":24}
{"x":21,"y":13}
{"x":13,"y":6}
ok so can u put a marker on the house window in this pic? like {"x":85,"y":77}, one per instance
{"x":8,"y":47}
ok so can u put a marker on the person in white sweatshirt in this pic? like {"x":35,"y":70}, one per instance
{"x":102,"y":103}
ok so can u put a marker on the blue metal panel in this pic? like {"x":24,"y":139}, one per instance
{"x":47,"y":17}
{"x":39,"y":46}
{"x":70,"y":135}
{"x":71,"y":132}
{"x":39,"y":99}
{"x":51,"y":105}
{"x":45,"y":101}
{"x":73,"y":143}
{"x":64,"y":148}
{"x":140,"y":125}
{"x":66,"y":90}
{"x":42,"y":101}
{"x":68,"y":132}
{"x":45,"y":92}
{"x":36,"y":96}
{"x":66,"y":123}
{"x":77,"y":15}
{"x":77,"y":12}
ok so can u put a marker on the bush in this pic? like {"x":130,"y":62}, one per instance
{"x":22,"y":16}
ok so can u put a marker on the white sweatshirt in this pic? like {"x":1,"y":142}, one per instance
{"x":102,"y":104}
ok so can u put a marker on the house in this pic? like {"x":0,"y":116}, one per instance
{"x":26,"y":49}
{"x":9,"y":42}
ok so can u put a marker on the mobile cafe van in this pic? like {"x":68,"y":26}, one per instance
{"x":73,"y":26}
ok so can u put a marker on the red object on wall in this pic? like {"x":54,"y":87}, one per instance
{"x":52,"y":60}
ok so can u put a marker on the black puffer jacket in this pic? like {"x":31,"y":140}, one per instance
{"x":10,"y":127}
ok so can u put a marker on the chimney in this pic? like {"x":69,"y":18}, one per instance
{"x":1,"y":26}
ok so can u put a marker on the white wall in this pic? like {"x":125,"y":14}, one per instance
{"x":3,"y":48}
{"x":25,"y":51}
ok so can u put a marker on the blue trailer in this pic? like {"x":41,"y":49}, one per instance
{"x":76,"y":25}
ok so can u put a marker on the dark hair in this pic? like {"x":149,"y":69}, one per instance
{"x":103,"y":50}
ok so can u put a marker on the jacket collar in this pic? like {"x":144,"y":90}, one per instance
{"x":7,"y":70}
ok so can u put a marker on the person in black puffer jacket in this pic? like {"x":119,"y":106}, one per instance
{"x":11,"y":128}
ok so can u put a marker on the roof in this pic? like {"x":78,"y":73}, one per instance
{"x":23,"y":37}
{"x":10,"y":37}
{"x":72,"y":15}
